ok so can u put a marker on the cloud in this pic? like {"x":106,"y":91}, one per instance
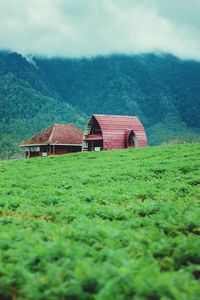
{"x":77,"y":28}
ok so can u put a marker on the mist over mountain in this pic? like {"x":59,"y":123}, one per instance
{"x":83,"y":28}
{"x":162,"y":90}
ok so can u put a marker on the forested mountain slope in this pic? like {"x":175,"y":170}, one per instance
{"x":27,"y":104}
{"x":162,"y":90}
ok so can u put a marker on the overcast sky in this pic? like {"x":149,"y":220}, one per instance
{"x":90,"y":27}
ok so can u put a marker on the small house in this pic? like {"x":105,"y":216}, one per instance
{"x":57,"y":139}
{"x":107,"y":132}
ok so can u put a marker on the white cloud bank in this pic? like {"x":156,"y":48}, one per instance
{"x":90,"y":27}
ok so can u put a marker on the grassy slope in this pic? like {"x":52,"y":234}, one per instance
{"x":109,"y":225}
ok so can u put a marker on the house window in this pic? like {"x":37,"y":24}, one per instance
{"x":44,"y":148}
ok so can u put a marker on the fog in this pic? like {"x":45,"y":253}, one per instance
{"x":76,"y":28}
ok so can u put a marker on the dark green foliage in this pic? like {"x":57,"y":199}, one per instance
{"x":162,"y":90}
{"x":108,"y":225}
{"x":26,"y":106}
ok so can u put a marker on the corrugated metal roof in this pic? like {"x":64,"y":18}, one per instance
{"x":65,"y":134}
{"x":94,"y":137}
{"x":114,"y":130}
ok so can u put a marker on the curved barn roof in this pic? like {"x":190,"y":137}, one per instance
{"x":57,"y":134}
{"x":114,"y":129}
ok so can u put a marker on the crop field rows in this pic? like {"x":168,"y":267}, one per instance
{"x":108,"y":225}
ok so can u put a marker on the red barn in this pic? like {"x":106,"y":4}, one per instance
{"x":107,"y":132}
{"x":57,"y":139}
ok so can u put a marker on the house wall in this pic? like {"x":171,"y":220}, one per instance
{"x":67,"y":149}
{"x":53,"y":150}
{"x":91,"y":145}
{"x":31,"y":154}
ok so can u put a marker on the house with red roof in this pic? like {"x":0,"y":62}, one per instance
{"x":57,"y":139}
{"x":108,"y":132}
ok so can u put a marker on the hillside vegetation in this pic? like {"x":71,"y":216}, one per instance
{"x":109,"y":225}
{"x":162,"y":90}
{"x":27,"y":105}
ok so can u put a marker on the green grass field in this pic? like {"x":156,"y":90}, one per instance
{"x":108,"y":225}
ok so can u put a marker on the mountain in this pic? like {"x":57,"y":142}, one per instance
{"x":162,"y":90}
{"x":27,"y":104}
